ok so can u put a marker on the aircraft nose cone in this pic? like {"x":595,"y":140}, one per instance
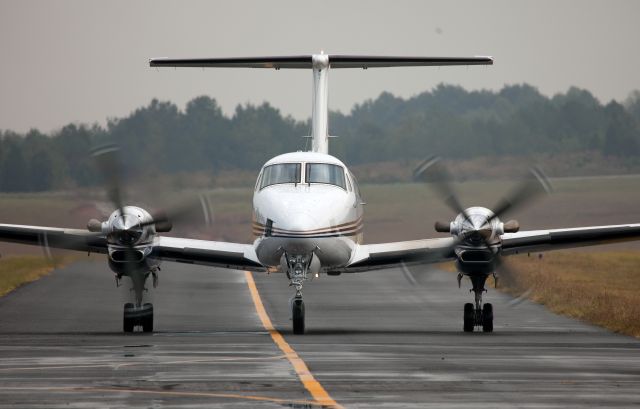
{"x":298,"y":222}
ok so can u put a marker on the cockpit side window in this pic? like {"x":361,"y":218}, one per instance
{"x":280,"y":173}
{"x":258,"y":181}
{"x":325,"y":173}
{"x":348,"y":182}
{"x":355,"y":184}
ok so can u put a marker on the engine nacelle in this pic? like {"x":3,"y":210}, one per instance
{"x":477,"y":221}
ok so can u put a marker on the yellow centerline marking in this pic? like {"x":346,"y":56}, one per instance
{"x":314,"y":387}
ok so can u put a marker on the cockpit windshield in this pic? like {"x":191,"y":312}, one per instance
{"x":326,"y":173}
{"x":280,"y":173}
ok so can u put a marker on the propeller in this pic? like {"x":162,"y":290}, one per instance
{"x":473,"y":228}
{"x":192,"y":209}
{"x":532,"y":188}
{"x":432,"y":170}
{"x":128,"y":230}
{"x":107,"y":157}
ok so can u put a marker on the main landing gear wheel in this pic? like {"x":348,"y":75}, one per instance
{"x":137,"y":316}
{"x":469,"y":317}
{"x":297,"y":315}
{"x":478,"y":315}
{"x":147,"y":319}
{"x":487,"y":318}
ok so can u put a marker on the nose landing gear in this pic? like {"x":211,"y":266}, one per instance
{"x":479,"y":315}
{"x":297,"y":269}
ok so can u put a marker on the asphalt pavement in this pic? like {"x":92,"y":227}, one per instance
{"x":383,"y":339}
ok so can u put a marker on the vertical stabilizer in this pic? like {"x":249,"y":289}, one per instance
{"x":319,"y":107}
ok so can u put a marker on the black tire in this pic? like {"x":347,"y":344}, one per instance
{"x":297,"y":315}
{"x":469,"y":317}
{"x":487,"y":318}
{"x":147,"y":319}
{"x":127,"y":321}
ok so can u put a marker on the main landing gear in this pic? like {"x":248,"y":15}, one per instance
{"x":297,"y":268}
{"x":138,"y":314}
{"x":479,"y":315}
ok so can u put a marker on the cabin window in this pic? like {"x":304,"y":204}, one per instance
{"x":326,"y":173}
{"x":280,"y":173}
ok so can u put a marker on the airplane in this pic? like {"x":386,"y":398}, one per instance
{"x":308,"y":215}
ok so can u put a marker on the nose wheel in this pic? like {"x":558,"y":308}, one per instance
{"x":297,"y":315}
{"x":137,"y":317}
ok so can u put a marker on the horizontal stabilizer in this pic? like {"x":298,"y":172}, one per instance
{"x":361,"y":61}
{"x":305,"y":61}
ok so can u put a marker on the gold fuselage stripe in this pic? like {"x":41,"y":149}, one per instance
{"x":332,"y":229}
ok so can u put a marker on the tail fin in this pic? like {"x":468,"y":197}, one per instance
{"x":320,"y":64}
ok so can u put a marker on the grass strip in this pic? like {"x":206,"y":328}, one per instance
{"x":602,"y":288}
{"x":16,"y":271}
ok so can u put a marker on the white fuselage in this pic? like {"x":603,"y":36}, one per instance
{"x":306,"y":202}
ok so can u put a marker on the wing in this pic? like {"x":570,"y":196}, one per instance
{"x":211,"y":253}
{"x":385,"y":255}
{"x":235,"y":256}
{"x":378,"y":256}
{"x":545,"y":240}
{"x":70,"y":239}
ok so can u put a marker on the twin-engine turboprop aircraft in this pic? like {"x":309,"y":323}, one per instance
{"x":308,"y":215}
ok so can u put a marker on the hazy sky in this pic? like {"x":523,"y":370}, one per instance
{"x":85,"y":61}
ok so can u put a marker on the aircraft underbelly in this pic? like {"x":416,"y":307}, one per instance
{"x":332,"y":251}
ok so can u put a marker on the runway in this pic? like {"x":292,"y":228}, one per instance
{"x":374,"y":340}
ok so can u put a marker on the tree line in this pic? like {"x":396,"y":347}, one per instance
{"x":448,"y":120}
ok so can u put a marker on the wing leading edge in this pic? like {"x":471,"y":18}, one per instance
{"x":235,"y":256}
{"x":385,"y":255}
{"x":555,"y":239}
{"x":70,"y":239}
